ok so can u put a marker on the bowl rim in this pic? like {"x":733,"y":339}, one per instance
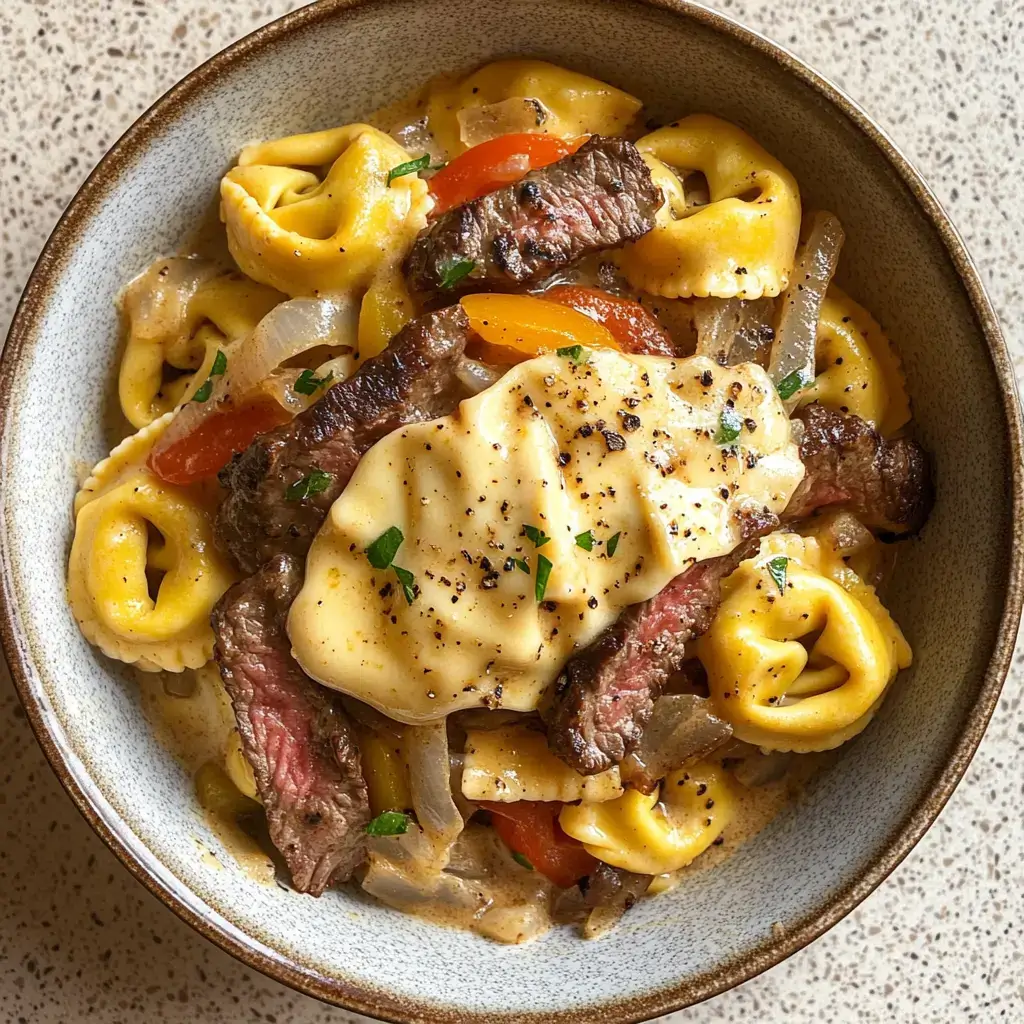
{"x":373,"y":1001}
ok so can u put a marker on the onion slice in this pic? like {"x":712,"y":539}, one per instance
{"x":255,"y":361}
{"x":511,"y":116}
{"x":477,"y":376}
{"x":792,"y":362}
{"x":426,"y":753}
{"x":732,"y":331}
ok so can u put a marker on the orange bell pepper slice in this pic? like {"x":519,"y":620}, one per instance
{"x":492,"y":164}
{"x":634,"y":328}
{"x":531,"y":325}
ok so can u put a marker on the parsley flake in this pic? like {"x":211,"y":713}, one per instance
{"x":613,"y":544}
{"x":407,"y":582}
{"x":307,"y":384}
{"x":585,"y":540}
{"x":574,"y":353}
{"x":777,"y":571}
{"x":381,"y":553}
{"x":729,"y":424}
{"x":543,"y":572}
{"x":454,"y":270}
{"x":792,"y":383}
{"x":521,"y":860}
{"x":390,"y":823}
{"x":309,"y":486}
{"x":522,"y":566}
{"x":538,"y":537}
{"x":409,"y":167}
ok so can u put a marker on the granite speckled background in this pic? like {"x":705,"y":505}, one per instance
{"x":942,"y":940}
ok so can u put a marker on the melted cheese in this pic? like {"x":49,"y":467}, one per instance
{"x":619,"y":445}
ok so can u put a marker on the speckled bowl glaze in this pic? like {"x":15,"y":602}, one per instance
{"x":958,"y":592}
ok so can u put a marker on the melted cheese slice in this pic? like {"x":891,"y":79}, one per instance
{"x":625,"y":446}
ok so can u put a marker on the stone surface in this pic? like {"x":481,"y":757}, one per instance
{"x":940,"y":941}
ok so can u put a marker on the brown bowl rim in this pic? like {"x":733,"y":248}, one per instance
{"x":377,"y":1002}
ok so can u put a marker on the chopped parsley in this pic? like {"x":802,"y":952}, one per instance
{"x":521,"y":860}
{"x":454,"y":270}
{"x":585,"y":540}
{"x":575,"y":353}
{"x":220,"y":365}
{"x":543,"y":572}
{"x":307,"y":384}
{"x":522,"y":566}
{"x":381,"y":553}
{"x":407,"y":582}
{"x":409,"y":167}
{"x":777,"y":571}
{"x":792,"y":383}
{"x":538,"y":537}
{"x":390,"y":823}
{"x":309,"y":486}
{"x":729,"y":424}
{"x":613,"y":544}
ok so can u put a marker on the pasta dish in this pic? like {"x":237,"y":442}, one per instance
{"x":500,"y":520}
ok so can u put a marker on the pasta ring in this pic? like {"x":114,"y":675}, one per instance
{"x":308,"y":233}
{"x":638,"y":834}
{"x":858,"y":368}
{"x":773,"y":691}
{"x":107,"y":577}
{"x":738,"y":245}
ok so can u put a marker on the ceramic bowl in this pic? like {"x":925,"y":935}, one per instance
{"x":957,"y":594}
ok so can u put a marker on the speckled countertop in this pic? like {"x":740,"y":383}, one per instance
{"x":942,"y":940}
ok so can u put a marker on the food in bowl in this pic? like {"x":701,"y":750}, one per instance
{"x":514,"y":505}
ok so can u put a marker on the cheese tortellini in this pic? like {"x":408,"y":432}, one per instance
{"x":144,"y":574}
{"x":660,"y":833}
{"x":858,"y":369}
{"x":571,"y":104}
{"x":179,"y":312}
{"x":742,"y":243}
{"x":775,"y":692}
{"x":309,"y":232}
{"x":515,"y":763}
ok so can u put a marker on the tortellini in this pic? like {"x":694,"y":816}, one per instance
{"x":776,"y":693}
{"x":386,"y":308}
{"x":515,"y":763}
{"x":309,"y":232}
{"x":655,"y":834}
{"x":179,"y":311}
{"x":571,"y":104}
{"x":858,"y":369}
{"x":742,"y":243}
{"x":144,"y":574}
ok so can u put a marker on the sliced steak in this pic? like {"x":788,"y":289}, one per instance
{"x":885,"y":483}
{"x":294,"y":732}
{"x":605,"y":694}
{"x":413,"y":379}
{"x":600,"y":197}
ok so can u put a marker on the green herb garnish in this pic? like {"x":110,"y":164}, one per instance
{"x":538,"y":537}
{"x":390,"y":823}
{"x":407,"y":582}
{"x":792,"y":383}
{"x":421,"y":163}
{"x":729,"y":424}
{"x":575,"y":353}
{"x":307,"y":384}
{"x":613,"y":544}
{"x":521,"y":860}
{"x":455,"y":270}
{"x":220,"y":365}
{"x":309,"y":486}
{"x":543,"y":572}
{"x":585,"y":540}
{"x":522,"y":566}
{"x":777,"y":571}
{"x":381,"y":553}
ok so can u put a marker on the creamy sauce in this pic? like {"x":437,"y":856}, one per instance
{"x":627,"y":449}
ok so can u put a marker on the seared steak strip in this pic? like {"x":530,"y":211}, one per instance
{"x":606,"y":692}
{"x":413,"y":379}
{"x":885,"y":483}
{"x":294,"y":732}
{"x":600,"y":197}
